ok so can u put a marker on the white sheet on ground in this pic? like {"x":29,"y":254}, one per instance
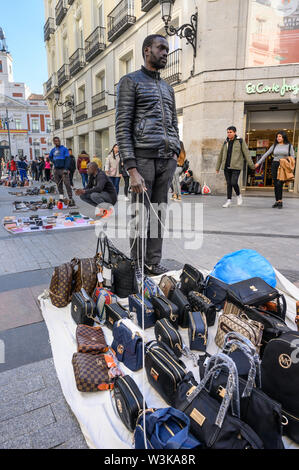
{"x":95,"y":412}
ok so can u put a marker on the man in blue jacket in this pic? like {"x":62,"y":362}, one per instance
{"x":60,"y":158}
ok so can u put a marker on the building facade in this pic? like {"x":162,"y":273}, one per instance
{"x":26,"y":114}
{"x":245,"y":73}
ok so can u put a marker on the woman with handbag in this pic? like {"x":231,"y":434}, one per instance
{"x":281,"y":148}
{"x":112,"y":167}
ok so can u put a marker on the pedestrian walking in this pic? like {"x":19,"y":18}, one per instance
{"x":34,"y":170}
{"x":231,"y":160}
{"x":22,"y":168}
{"x":82,"y":163}
{"x":40,"y":169}
{"x":148,"y":138}
{"x":72,"y":167}
{"x":47,"y":169}
{"x":177,"y":192}
{"x":126,"y":178}
{"x":112,"y":167}
{"x":13,"y":169}
{"x":98,"y":161}
{"x":60,"y":158}
{"x":281,"y":149}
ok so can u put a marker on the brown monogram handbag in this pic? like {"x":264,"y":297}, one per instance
{"x":61,"y":285}
{"x":91,"y":339}
{"x":167,"y":285}
{"x":91,"y":372}
{"x":85,"y":274}
{"x":251,"y":329}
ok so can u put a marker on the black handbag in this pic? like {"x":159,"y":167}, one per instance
{"x":255,"y":292}
{"x":258,"y":410}
{"x":122,"y":269}
{"x":216,"y":291}
{"x":83,"y":308}
{"x":180,"y":300}
{"x":201,"y":303}
{"x":198,"y":331}
{"x":211,"y":421}
{"x":164,"y":308}
{"x":114,"y":312}
{"x":164,"y":370}
{"x":128,"y":400}
{"x":191,"y":279}
{"x":280,"y":378}
{"x":167,"y":334}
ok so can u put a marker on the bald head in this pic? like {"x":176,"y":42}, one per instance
{"x":92,"y":168}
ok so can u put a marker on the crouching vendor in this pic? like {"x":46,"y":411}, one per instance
{"x":99,"y":188}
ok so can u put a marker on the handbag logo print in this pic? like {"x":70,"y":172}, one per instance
{"x":253,"y":288}
{"x":119,"y":405}
{"x":198,"y":417}
{"x":154,"y":374}
{"x":120,"y":349}
{"x":75,"y":308}
{"x":285,"y":361}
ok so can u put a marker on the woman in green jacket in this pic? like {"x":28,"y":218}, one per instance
{"x":231,"y":160}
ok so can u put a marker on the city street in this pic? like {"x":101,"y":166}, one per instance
{"x":33,"y":412}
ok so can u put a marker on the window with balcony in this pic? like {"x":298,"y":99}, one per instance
{"x":120,"y":19}
{"x":48,"y":126}
{"x":99,"y":103}
{"x":77,"y":62}
{"x":146,"y":5}
{"x":67,"y":118}
{"x":173,"y":72}
{"x":63,"y":75}
{"x":49,"y":28}
{"x":95,"y":43}
{"x":60,"y":11}
{"x":35,"y":126}
{"x":80,"y":112}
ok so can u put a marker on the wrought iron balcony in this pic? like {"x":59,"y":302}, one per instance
{"x":95,"y":43}
{"x":63,"y":75}
{"x":49,"y":28}
{"x":77,"y":62}
{"x":80,"y":111}
{"x":172,"y":73}
{"x":146,"y":5}
{"x":51,"y":83}
{"x":60,"y":11}
{"x":70,"y":2}
{"x":99,"y":103}
{"x":120,"y":19}
{"x":67,"y":118}
{"x":57,"y":124}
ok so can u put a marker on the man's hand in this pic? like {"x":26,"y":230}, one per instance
{"x":217,"y":172}
{"x":137,"y":182}
{"x":256,"y":165}
{"x":79,"y":192}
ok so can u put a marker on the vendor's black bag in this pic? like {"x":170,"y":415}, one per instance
{"x":211,"y":421}
{"x":191,"y":279}
{"x":216,"y":291}
{"x":166,"y":334}
{"x":164,"y":308}
{"x":280,"y":378}
{"x":128,"y":400}
{"x":255,"y":292}
{"x":201,"y":303}
{"x":164,"y":370}
{"x":83,"y":308}
{"x":180,"y":300}
{"x":258,"y":410}
{"x":122,"y":268}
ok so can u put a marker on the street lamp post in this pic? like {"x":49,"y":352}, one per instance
{"x":7,"y":120}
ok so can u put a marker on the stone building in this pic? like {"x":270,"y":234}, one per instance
{"x":244,"y":72}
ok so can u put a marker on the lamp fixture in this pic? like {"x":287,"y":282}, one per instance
{"x":70,"y":102}
{"x":186,"y":31}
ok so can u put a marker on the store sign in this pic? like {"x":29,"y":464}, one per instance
{"x":283,"y":89}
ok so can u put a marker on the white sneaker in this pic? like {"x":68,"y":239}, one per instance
{"x":239,"y":200}
{"x":228,"y":203}
{"x":126,"y":198}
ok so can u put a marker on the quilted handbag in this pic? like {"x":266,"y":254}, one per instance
{"x":103,"y":297}
{"x":167,"y":285}
{"x":241,"y":324}
{"x":165,"y":428}
{"x":128,"y":400}
{"x":201,"y":303}
{"x":61,"y":285}
{"x":191,"y":279}
{"x":164,"y":308}
{"x":135,"y":306}
{"x":180,"y":300}
{"x":128,"y":346}
{"x":91,"y":339}
{"x":91,"y":372}
{"x":85,"y":274}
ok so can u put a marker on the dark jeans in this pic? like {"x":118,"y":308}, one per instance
{"x":72,"y":177}
{"x":94,"y":199}
{"x":115,"y":181}
{"x":127,"y":184}
{"x":48,"y":174}
{"x":60,"y":177}
{"x":232,"y":178}
{"x":84,"y":177}
{"x":158,"y":175}
{"x":278,"y":185}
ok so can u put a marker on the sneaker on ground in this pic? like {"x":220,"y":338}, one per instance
{"x":239,"y":200}
{"x":71,"y":203}
{"x":275,"y":205}
{"x":155,"y":270}
{"x":228,"y":203}
{"x":279,"y":205}
{"x":126,"y":198}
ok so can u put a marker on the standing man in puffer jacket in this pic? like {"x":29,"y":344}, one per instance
{"x":148,"y":138}
{"x":60,"y":158}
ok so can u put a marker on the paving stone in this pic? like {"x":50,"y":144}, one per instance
{"x":29,"y":422}
{"x":41,"y":398}
{"x":12,"y":409}
{"x":23,"y":373}
{"x":77,"y":442}
{"x":21,"y":306}
{"x":54,"y":435}
{"x":23,"y":442}
{"x":19,"y":388}
{"x":61,"y":409}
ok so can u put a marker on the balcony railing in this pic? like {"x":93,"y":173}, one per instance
{"x":77,"y":62}
{"x":51,"y":83}
{"x":95,"y":43}
{"x":63,"y":75}
{"x":70,"y":2}
{"x":60,"y":11}
{"x":57,"y":124}
{"x":67,"y":118}
{"x":49,"y":28}
{"x":99,"y":104}
{"x":146,"y":5}
{"x":120,"y":19}
{"x":172,"y":73}
{"x":80,"y":111}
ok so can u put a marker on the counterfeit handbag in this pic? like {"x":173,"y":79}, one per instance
{"x":164,"y":308}
{"x":83,"y":309}
{"x":241,"y":324}
{"x":198,"y":331}
{"x":216,"y":291}
{"x":103,"y":297}
{"x":180,"y":300}
{"x":191,"y":279}
{"x":127,"y":346}
{"x":201,"y":303}
{"x":114,"y":312}
{"x":91,"y":372}
{"x":90,"y":340}
{"x":128,"y":400}
{"x":167,"y":334}
{"x":167,"y":285}
{"x":135,"y":306}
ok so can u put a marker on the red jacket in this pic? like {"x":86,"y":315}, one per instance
{"x":13,"y":166}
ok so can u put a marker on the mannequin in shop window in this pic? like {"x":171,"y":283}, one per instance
{"x":281,"y":149}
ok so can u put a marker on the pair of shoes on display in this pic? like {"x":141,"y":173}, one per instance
{"x":278,"y":205}
{"x":229,"y":202}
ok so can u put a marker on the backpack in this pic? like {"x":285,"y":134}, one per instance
{"x":61,"y":285}
{"x":83,"y":165}
{"x":85,"y":274}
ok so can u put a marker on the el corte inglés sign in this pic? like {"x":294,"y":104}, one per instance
{"x":281,"y":89}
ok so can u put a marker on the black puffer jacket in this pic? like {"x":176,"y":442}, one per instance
{"x":146,"y":119}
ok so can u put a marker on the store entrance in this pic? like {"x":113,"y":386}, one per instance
{"x":262,"y":127}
